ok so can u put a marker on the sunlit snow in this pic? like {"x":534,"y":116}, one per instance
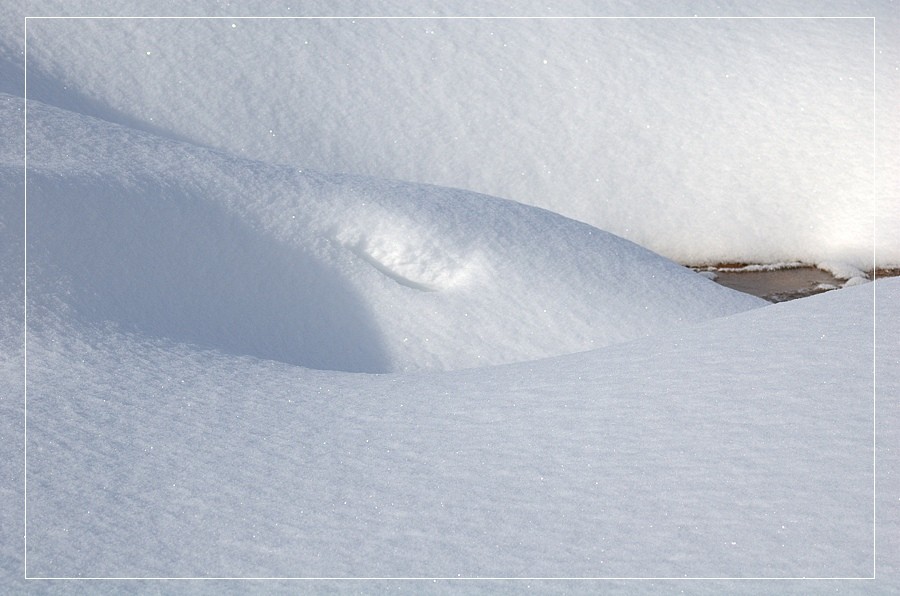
{"x":369,"y":298}
{"x":656,"y":130}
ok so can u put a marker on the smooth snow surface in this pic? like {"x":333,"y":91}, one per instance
{"x":327,"y":271}
{"x":659,"y":131}
{"x":740,"y":447}
{"x":234,"y":224}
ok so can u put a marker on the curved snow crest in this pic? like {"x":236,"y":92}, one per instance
{"x":323,"y":270}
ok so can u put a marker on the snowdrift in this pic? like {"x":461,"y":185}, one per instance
{"x":732,"y":140}
{"x":203,"y":298}
{"x":741,"y":447}
{"x":326,"y":271}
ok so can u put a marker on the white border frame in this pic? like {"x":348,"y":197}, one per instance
{"x":462,"y":579}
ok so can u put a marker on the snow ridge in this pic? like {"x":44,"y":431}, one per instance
{"x":328,"y":271}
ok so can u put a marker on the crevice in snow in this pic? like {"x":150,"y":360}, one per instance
{"x":406,"y":254}
{"x":386,"y":270}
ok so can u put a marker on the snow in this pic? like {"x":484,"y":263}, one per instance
{"x":655,"y":130}
{"x":702,"y":452}
{"x":282,"y":324}
{"x":328,"y":271}
{"x":842,"y":270}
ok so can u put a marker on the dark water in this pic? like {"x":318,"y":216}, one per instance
{"x":779,"y":285}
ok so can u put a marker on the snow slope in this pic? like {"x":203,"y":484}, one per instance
{"x":739,"y":447}
{"x":327,"y":271}
{"x":194,"y":316}
{"x":659,"y":131}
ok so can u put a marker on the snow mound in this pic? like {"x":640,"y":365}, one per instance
{"x":182,"y":243}
{"x":707,"y":140}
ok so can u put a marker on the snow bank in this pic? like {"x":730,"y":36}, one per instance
{"x":704,"y":140}
{"x":327,"y":271}
{"x":739,"y":447}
